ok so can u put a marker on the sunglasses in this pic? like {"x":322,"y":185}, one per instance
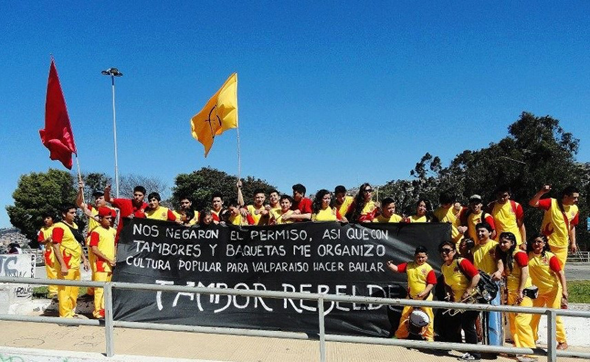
{"x":368,"y":190}
{"x":446,"y":250}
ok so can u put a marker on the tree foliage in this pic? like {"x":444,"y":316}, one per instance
{"x":200,"y":185}
{"x":536,"y":151}
{"x":37,"y":194}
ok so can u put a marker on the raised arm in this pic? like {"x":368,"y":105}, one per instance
{"x":534,"y":202}
{"x":107,"y":194}
{"x":80,"y":194}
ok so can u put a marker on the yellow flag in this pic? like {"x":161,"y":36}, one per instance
{"x":218,"y":115}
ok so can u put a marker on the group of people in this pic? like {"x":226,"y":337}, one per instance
{"x":491,"y":239}
{"x":496,"y":244}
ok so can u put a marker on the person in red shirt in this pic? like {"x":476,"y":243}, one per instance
{"x":301,"y":204}
{"x":129,"y":208}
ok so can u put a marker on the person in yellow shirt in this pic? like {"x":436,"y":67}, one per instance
{"x":484,"y":258}
{"x":342,"y":201}
{"x":473,"y":215}
{"x":67,"y":240}
{"x":421,"y":280}
{"x":91,"y":211}
{"x":560,"y":220}
{"x":157,"y":212}
{"x":363,"y":208}
{"x":514,"y":263}
{"x":235,"y":217}
{"x":51,"y":267}
{"x":322,"y":209}
{"x":388,"y":214}
{"x":283,"y":216}
{"x":274,"y":199}
{"x":102,"y":243}
{"x":258,"y":211}
{"x":422,"y":212}
{"x":446,"y":213}
{"x":484,"y":253}
{"x":461,"y":277}
{"x":186,"y":215}
{"x":547,"y":274}
{"x":508,"y":215}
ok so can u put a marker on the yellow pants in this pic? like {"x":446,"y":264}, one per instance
{"x":67,"y":295}
{"x":520,"y":323}
{"x":99,"y":294}
{"x":560,"y":253}
{"x":51,"y":270}
{"x":92,"y":262}
{"x":403,"y":328}
{"x":550,"y":300}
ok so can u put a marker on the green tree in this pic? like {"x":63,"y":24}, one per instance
{"x":536,"y":151}
{"x":200,"y":185}
{"x":39,"y":193}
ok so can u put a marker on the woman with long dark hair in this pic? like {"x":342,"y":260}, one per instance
{"x":547,"y":274}
{"x":515,"y":265}
{"x":461,"y":277}
{"x":363,"y":208}
{"x":323,"y":209}
{"x":423,"y":212}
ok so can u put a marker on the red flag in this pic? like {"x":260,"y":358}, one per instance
{"x":57,"y":135}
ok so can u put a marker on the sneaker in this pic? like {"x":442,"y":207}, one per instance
{"x":526,"y":359}
{"x":562,"y":345}
{"x":467,"y":357}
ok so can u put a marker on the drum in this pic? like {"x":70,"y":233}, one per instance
{"x":417,"y":321}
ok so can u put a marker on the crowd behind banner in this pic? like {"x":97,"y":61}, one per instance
{"x":490,"y":239}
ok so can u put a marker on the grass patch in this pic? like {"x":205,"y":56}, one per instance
{"x":579,"y":291}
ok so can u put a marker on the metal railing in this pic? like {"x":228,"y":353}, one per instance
{"x":579,"y":257}
{"x":551,"y":352}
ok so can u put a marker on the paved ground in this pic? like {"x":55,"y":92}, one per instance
{"x":177,"y":345}
{"x":19,"y":340}
{"x":577,"y":271}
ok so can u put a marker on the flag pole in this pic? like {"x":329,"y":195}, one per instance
{"x":114,"y":72}
{"x":239,"y":154}
{"x":80,"y":176}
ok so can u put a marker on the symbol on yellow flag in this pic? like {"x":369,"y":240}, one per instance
{"x":219,"y":114}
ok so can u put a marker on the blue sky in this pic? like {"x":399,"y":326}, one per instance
{"x":329,"y":93}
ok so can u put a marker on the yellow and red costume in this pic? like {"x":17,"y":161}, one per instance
{"x":557,"y":224}
{"x":507,"y":217}
{"x":327,"y":214}
{"x":383,"y":219}
{"x":51,"y":264}
{"x":71,"y":252}
{"x":542,"y":270}
{"x":104,"y":239}
{"x":160,"y":213}
{"x":520,"y":323}
{"x":419,"y":276}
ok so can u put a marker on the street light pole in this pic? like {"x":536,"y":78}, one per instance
{"x":114,"y":72}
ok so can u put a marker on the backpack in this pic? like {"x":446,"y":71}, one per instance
{"x":487,"y":289}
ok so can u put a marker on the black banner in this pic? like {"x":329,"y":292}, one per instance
{"x":334,"y":258}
